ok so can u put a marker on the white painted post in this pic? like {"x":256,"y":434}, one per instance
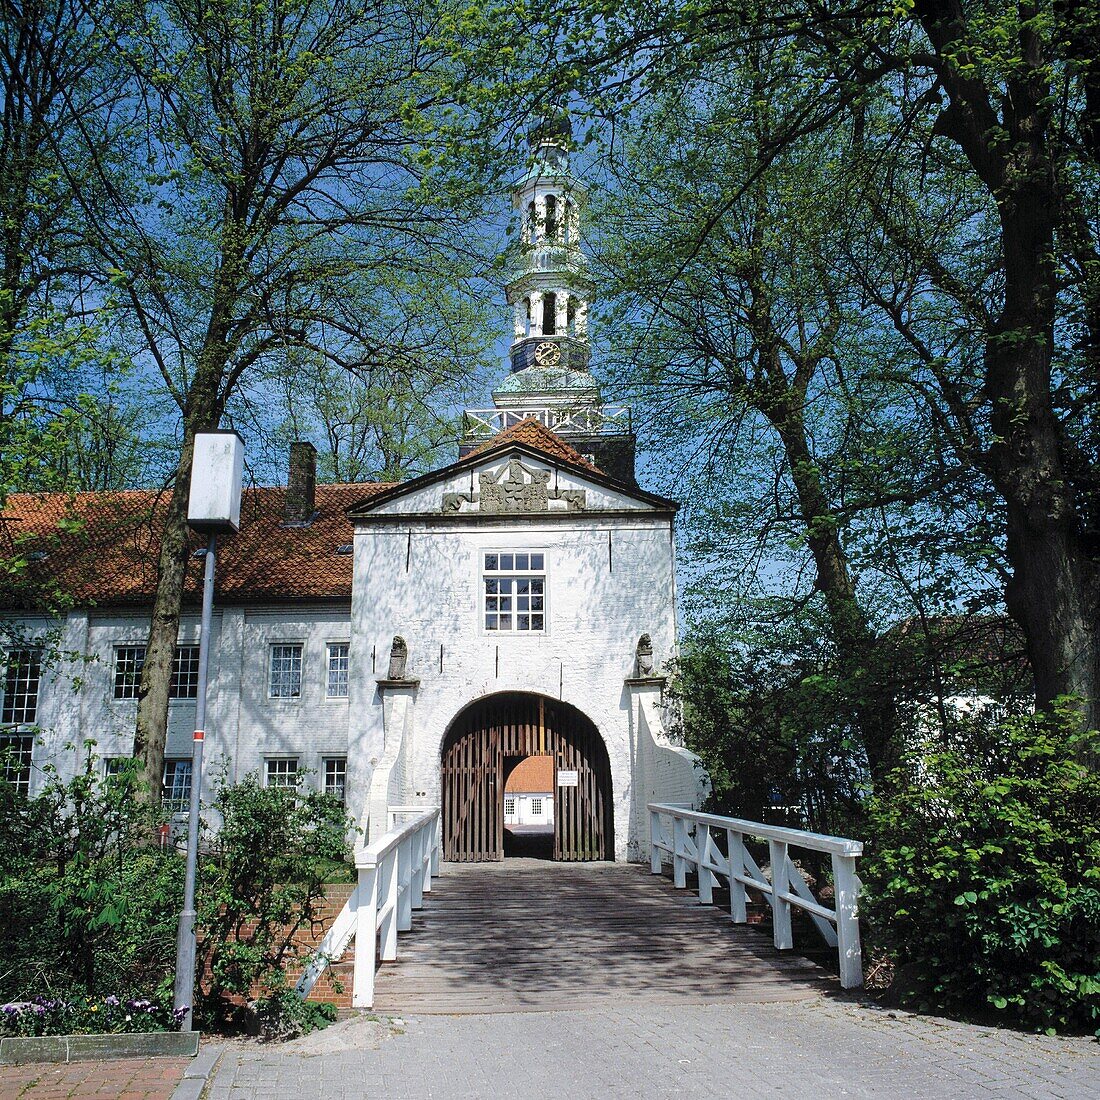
{"x":437,"y":846}
{"x":654,"y":836}
{"x":679,"y":848}
{"x":846,"y":888}
{"x":706,"y":877}
{"x":735,"y":845}
{"x":416,"y":886}
{"x":781,"y":910}
{"x":366,"y":939}
{"x":404,"y":881}
{"x":387,"y":901}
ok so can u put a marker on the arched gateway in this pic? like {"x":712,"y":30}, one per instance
{"x":487,"y":740}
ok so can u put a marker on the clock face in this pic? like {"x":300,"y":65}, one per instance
{"x":547,"y":354}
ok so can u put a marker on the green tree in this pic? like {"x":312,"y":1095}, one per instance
{"x":1003,"y":99}
{"x":284,"y":159}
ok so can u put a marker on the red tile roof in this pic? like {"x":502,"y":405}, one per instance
{"x":533,"y":433}
{"x":535,"y":775}
{"x":102,"y":548}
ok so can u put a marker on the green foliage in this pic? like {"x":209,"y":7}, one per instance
{"x":774,"y":734}
{"x":108,"y":1015}
{"x":261,"y":884}
{"x":86,"y":906}
{"x":983,"y":875}
{"x":282,"y":1014}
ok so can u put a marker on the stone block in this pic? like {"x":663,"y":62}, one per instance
{"x":78,"y":1048}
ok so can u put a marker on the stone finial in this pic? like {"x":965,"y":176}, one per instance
{"x":643,"y":657}
{"x":399,"y":658}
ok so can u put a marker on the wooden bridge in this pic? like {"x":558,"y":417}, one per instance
{"x":536,"y":935}
{"x":532,"y":935}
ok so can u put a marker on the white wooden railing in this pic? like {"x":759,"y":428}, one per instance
{"x":394,"y":873}
{"x":585,"y":419}
{"x":691,"y":843}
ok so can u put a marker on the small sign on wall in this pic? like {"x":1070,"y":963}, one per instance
{"x":568,"y":779}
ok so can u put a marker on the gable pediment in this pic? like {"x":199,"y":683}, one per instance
{"x":516,"y":481}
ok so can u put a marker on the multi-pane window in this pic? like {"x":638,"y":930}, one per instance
{"x":177,"y":784}
{"x":129,"y":661}
{"x":282,"y":772}
{"x":536,"y":805}
{"x":21,"y":679}
{"x":336,"y":682}
{"x":336,"y":771}
{"x":16,"y":750}
{"x":286,"y":671}
{"x":509,"y":806}
{"x":515,"y":591}
{"x":185,"y":673}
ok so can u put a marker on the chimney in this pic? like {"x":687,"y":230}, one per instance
{"x":301,"y":484}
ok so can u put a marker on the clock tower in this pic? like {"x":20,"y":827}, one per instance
{"x":549,"y":290}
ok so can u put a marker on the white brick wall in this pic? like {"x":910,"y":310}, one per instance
{"x":610,"y":578}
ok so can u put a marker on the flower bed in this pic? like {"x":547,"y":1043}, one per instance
{"x":87,"y":1016}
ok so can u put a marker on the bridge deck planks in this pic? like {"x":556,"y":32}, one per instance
{"x":528,"y":935}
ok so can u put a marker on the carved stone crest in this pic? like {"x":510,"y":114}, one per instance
{"x":516,"y":488}
{"x":643,"y":657}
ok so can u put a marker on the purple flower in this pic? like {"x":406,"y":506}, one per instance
{"x":112,"y":1000}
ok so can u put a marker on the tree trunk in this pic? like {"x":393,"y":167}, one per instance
{"x":203,"y":414}
{"x":856,"y":644}
{"x":1053,"y":592}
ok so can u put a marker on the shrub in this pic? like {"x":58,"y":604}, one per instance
{"x":983,"y":875}
{"x":86,"y":906}
{"x":262,"y":882}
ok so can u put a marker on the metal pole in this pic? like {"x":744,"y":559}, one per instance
{"x":185,"y":939}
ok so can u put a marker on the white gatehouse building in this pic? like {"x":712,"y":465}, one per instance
{"x":404,"y":644}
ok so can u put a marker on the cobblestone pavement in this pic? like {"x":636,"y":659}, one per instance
{"x":821,"y":1047}
{"x":121,"y":1079}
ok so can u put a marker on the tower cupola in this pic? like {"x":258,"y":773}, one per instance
{"x":548,"y":286}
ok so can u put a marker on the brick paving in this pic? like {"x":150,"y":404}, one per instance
{"x":822,"y":1047}
{"x":121,"y":1079}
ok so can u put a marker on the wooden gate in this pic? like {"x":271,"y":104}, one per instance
{"x":518,"y":725}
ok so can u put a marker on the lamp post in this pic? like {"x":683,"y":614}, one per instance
{"x":214,"y":506}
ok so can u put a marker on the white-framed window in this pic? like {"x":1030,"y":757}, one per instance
{"x":285,"y":680}
{"x":16,"y":752}
{"x":185,"y":673}
{"x":335,"y":770}
{"x":514,"y":591}
{"x":281,"y":771}
{"x":336,"y":676}
{"x":22,"y":678}
{"x":510,"y":806}
{"x":176,"y":794}
{"x":536,"y":806}
{"x":129,"y":661}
